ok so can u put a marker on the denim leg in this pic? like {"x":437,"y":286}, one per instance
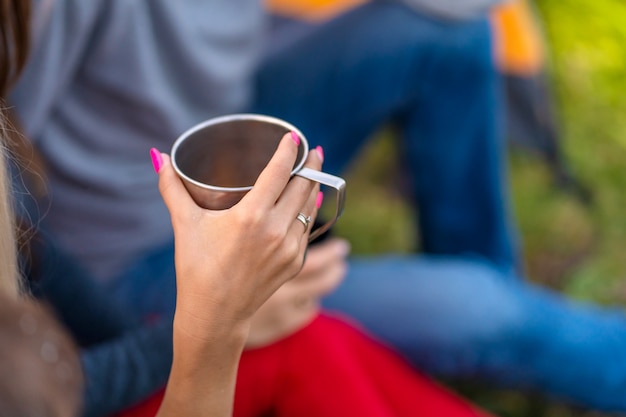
{"x":436,"y":81}
{"x":460,"y":318}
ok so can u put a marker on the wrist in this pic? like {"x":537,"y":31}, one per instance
{"x":195,"y":335}
{"x":205,"y":362}
{"x":202,"y":379}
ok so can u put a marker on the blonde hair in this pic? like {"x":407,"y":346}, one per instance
{"x":9,"y":277}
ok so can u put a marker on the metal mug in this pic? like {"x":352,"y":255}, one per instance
{"x":219,"y":160}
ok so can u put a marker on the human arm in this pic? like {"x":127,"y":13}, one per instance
{"x":84,"y":306}
{"x":228,"y":263}
{"x":126,"y":370}
{"x":123,"y":361}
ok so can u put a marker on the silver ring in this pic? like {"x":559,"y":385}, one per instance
{"x":305,"y":220}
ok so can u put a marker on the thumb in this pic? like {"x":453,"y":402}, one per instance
{"x":174,"y":193}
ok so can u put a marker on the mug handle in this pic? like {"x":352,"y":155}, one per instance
{"x":337,"y":183}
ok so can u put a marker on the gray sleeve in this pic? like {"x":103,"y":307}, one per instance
{"x":61,"y":30}
{"x":453,"y":9}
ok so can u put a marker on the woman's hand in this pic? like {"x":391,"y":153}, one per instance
{"x":296,"y":303}
{"x":228,"y":263}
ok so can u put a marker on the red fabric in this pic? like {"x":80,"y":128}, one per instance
{"x":331,"y":369}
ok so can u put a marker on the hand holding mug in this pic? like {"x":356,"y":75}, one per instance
{"x":231,"y":258}
{"x":228,"y":262}
{"x":220,"y":159}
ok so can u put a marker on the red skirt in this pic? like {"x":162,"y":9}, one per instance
{"x":332,"y":369}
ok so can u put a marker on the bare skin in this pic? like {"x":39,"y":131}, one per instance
{"x":228,"y":264}
{"x":297,"y":302}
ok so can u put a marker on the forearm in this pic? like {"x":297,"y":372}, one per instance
{"x":228,"y":263}
{"x":204,"y":372}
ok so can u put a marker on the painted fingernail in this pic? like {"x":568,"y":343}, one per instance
{"x":295,"y":137}
{"x":320,"y":152}
{"x":320,"y":198}
{"x":157,"y":159}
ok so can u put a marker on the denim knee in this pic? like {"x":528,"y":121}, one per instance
{"x":469,"y":41}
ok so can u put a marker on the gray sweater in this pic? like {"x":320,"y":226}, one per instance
{"x":109,"y":79}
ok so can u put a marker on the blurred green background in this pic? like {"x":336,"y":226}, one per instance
{"x":568,"y":246}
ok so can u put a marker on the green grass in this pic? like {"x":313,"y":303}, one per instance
{"x":587,"y":42}
{"x":570,"y":247}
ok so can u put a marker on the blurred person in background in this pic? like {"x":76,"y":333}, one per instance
{"x":155,"y":69}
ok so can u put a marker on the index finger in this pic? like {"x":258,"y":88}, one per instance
{"x":274,"y":178}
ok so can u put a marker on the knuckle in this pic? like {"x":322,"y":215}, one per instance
{"x":250,"y":218}
{"x":275,"y":237}
{"x":313,"y":159}
{"x":293,"y":251}
{"x":294,"y":258}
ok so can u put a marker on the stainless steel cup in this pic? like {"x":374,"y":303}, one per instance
{"x":219,"y":160}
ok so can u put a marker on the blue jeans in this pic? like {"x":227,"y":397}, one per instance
{"x":384,"y":63}
{"x":460,"y":318}
{"x":457,"y":317}
{"x":454,"y":316}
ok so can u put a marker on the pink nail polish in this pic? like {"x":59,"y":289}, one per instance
{"x":157,"y":159}
{"x":295,"y":137}
{"x":320,"y":152}
{"x":320,"y":198}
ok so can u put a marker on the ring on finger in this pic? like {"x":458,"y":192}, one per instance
{"x":304,"y":219}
